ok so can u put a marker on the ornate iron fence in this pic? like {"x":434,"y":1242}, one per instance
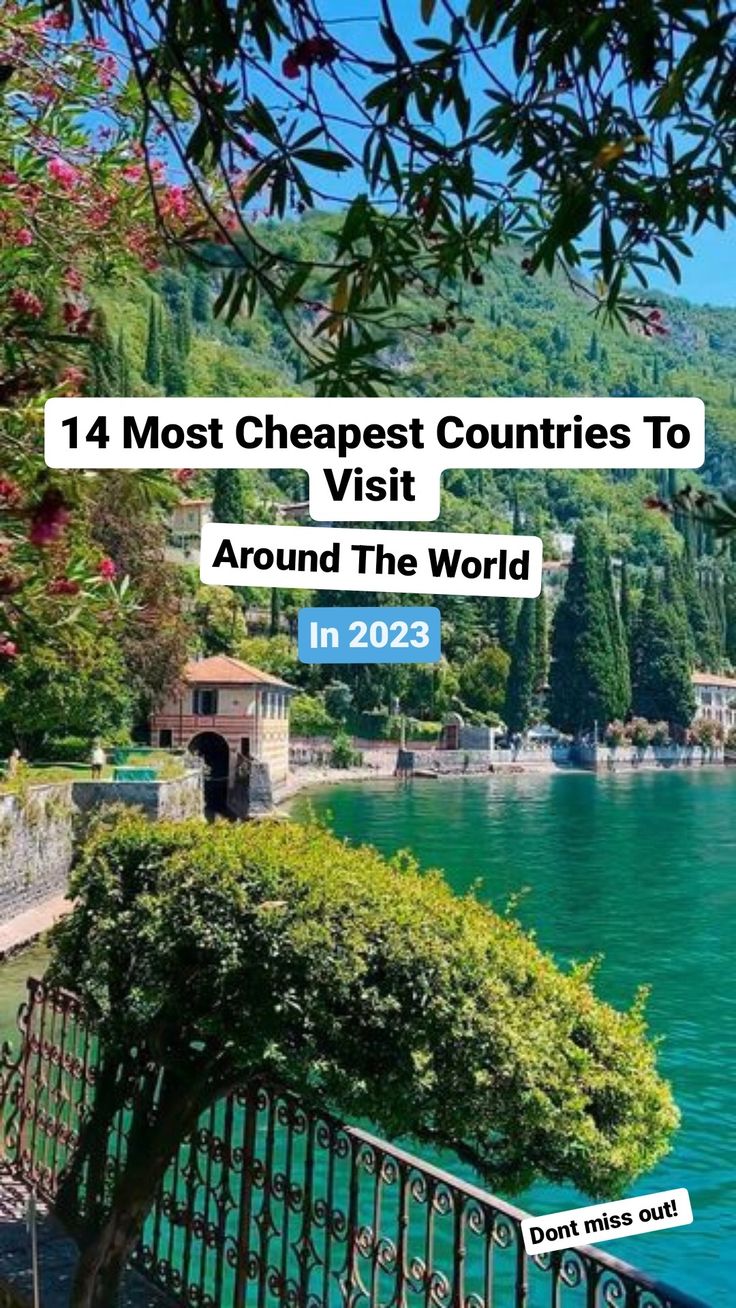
{"x":270,"y":1203}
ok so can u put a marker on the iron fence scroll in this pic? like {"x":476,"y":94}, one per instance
{"x":272,"y":1203}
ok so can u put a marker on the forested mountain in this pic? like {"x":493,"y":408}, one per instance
{"x":511,"y":335}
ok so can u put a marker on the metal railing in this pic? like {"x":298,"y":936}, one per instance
{"x":273,"y":1202}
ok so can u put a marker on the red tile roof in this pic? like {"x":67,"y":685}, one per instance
{"x":222,"y":670}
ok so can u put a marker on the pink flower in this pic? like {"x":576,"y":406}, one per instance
{"x":58,"y":22}
{"x":174,"y":202}
{"x":9,"y":491}
{"x":290,"y":67}
{"x":73,"y":279}
{"x":49,"y":519}
{"x":8,"y":648}
{"x":655,"y":324}
{"x":72,"y":378}
{"x":319,"y":50}
{"x":132,"y":172}
{"x":107,"y":569}
{"x":107,"y":71}
{"x":26,"y":303}
{"x":23,"y":236}
{"x":63,"y":586}
{"x":64,"y":173}
{"x":182,"y":476}
{"x":8,"y":177}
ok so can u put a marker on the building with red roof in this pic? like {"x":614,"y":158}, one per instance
{"x":235,"y":716}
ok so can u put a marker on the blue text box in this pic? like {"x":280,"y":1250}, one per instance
{"x":369,"y":635}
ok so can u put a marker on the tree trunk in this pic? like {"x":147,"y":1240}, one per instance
{"x":154,"y":1137}
{"x":275,"y":612}
{"x":80,"y":1200}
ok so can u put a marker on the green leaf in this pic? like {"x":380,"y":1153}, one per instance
{"x":328,"y":160}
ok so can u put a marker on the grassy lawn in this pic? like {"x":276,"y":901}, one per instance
{"x":167,"y":766}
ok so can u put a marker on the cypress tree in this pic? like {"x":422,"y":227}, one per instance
{"x":541,"y":641}
{"x":661,"y":659}
{"x":619,"y":640}
{"x":625,"y":600}
{"x":729,"y":604}
{"x":683,"y":587}
{"x":172,"y":360}
{"x":520,"y":685}
{"x":123,"y":365}
{"x":201,"y":299}
{"x":587,"y":682}
{"x":506,"y":616}
{"x":228,"y":503}
{"x":105,"y":378}
{"x":182,"y":313}
{"x":275,"y":611}
{"x":153,"y":366}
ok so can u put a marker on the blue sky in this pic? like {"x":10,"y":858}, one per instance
{"x":708,"y":278}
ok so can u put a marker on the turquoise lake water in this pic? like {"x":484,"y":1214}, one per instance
{"x":640,"y":868}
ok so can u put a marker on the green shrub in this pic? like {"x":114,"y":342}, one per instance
{"x":343,"y":755}
{"x":69,"y":749}
{"x":309,"y":717}
{"x":707,"y":732}
{"x":615,"y":734}
{"x":277,"y":947}
{"x":640,"y":732}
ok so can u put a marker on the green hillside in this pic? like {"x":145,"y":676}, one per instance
{"x":525,"y":336}
{"x":512,"y":335}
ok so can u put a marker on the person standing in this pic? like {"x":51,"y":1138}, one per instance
{"x":98,"y":760}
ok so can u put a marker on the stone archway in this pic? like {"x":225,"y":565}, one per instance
{"x":215,"y":751}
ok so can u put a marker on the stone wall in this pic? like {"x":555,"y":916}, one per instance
{"x":444,"y":762}
{"x":465,"y":762}
{"x":177,"y":799}
{"x":37,"y":829}
{"x":608,"y":757}
{"x":35,"y":847}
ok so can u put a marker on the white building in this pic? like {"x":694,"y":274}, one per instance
{"x":185,"y":530}
{"x":716,"y":698}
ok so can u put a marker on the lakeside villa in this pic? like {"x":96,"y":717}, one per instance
{"x":716,"y":699}
{"x":189,"y":516}
{"x":187,"y":519}
{"x":236,"y":717}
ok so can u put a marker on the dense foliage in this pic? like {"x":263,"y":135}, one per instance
{"x":359,"y":981}
{"x":601,"y":135}
{"x":92,"y":313}
{"x":589,"y":674}
{"x":661,"y":664}
{"x":525,"y":338}
{"x":75,"y":213}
